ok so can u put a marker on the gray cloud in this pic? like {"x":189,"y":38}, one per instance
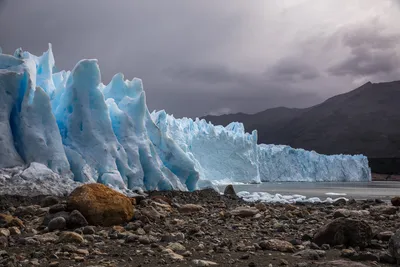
{"x":373,"y":52}
{"x":200,"y":56}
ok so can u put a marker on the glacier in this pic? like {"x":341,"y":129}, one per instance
{"x":84,"y":131}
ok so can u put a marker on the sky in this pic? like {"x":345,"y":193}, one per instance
{"x":223,"y":56}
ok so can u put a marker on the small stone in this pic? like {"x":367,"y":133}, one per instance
{"x":176,"y":247}
{"x":203,"y":263}
{"x":261,"y":206}
{"x":3,"y":242}
{"x":70,"y":237}
{"x":58,"y":223}
{"x":57,"y":208}
{"x":385,"y":236}
{"x":173,"y":237}
{"x":54,"y":264}
{"x":49,"y":201}
{"x":277,"y":245}
{"x":4,"y":232}
{"x":283,"y":262}
{"x":14,"y":230}
{"x":310,"y":254}
{"x":347,"y":253}
{"x":189,"y":208}
{"x":88,"y":230}
{"x":244,"y":212}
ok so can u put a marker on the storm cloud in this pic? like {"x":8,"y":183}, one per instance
{"x":199,"y":57}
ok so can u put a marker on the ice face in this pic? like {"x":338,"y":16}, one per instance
{"x":228,"y":154}
{"x":72,"y":124}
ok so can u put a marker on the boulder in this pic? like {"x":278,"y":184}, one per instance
{"x":345,"y":231}
{"x":101,"y":205}
{"x":230,"y":191}
{"x":57,"y":223}
{"x":395,"y":201}
{"x":70,"y":237}
{"x":49,"y":201}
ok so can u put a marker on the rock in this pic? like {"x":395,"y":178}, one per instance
{"x":230,"y":191}
{"x":50,"y":216}
{"x":261,"y":206}
{"x":3,"y":242}
{"x":76,"y":220}
{"x":340,"y":263}
{"x":57,"y":208}
{"x":31,"y":210}
{"x":176,"y":247}
{"x":172,"y":255}
{"x":14,"y":230}
{"x":88,"y":230}
{"x":394,"y":246}
{"x":204,"y":263}
{"x":101,"y":205}
{"x":310,"y":254}
{"x":347,"y":253}
{"x":385,"y":257}
{"x":244,"y":212}
{"x":5,"y":232}
{"x":383,"y":210}
{"x":385,"y":236}
{"x":58,"y":223}
{"x":344,"y":231}
{"x":340,"y":202}
{"x":343,"y":213}
{"x":151,"y":213}
{"x":365,"y":256}
{"x":283,"y":262}
{"x":49,"y":201}
{"x":189,"y":208}
{"x":395,"y":201}
{"x":46,"y":238}
{"x":70,"y":237}
{"x":277,"y":245}
{"x":9,"y":221}
{"x":173,"y":237}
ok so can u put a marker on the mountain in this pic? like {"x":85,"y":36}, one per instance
{"x":363,"y":121}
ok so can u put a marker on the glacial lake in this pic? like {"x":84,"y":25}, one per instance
{"x":358,"y":190}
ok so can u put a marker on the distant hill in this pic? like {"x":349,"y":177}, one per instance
{"x":363,"y":121}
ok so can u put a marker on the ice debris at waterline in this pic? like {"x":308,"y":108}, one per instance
{"x":89,"y":132}
{"x":284,"y":199}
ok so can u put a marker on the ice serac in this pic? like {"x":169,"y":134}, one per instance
{"x":71,"y":125}
{"x":228,"y":154}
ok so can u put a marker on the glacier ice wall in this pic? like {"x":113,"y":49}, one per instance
{"x":80,"y":128}
{"x":228,"y":154}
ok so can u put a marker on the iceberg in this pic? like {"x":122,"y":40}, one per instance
{"x":72,"y":125}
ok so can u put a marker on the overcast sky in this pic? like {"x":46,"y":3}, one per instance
{"x":198,"y":57}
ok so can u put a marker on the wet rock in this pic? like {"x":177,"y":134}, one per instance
{"x":101,"y":205}
{"x":277,"y":245}
{"x":76,"y":220}
{"x":70,"y":237}
{"x":58,"y":223}
{"x":344,"y":231}
{"x":230,"y":191}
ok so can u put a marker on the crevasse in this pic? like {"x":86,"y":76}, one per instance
{"x":79,"y":128}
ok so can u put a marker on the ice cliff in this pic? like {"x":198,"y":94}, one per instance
{"x":89,"y":132}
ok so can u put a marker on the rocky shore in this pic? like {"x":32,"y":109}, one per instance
{"x":96,"y":226}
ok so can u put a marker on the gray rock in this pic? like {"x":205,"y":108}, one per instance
{"x":310,"y":254}
{"x":49,"y":201}
{"x":385,"y":236}
{"x":57,"y":208}
{"x":58,"y":223}
{"x":51,"y":216}
{"x":76,"y":220}
{"x":394,"y":246}
{"x":88,"y":230}
{"x":230,"y":191}
{"x":344,"y":231}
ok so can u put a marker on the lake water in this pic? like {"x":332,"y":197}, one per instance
{"x":357,"y":190}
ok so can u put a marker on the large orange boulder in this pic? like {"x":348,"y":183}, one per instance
{"x":101,"y":205}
